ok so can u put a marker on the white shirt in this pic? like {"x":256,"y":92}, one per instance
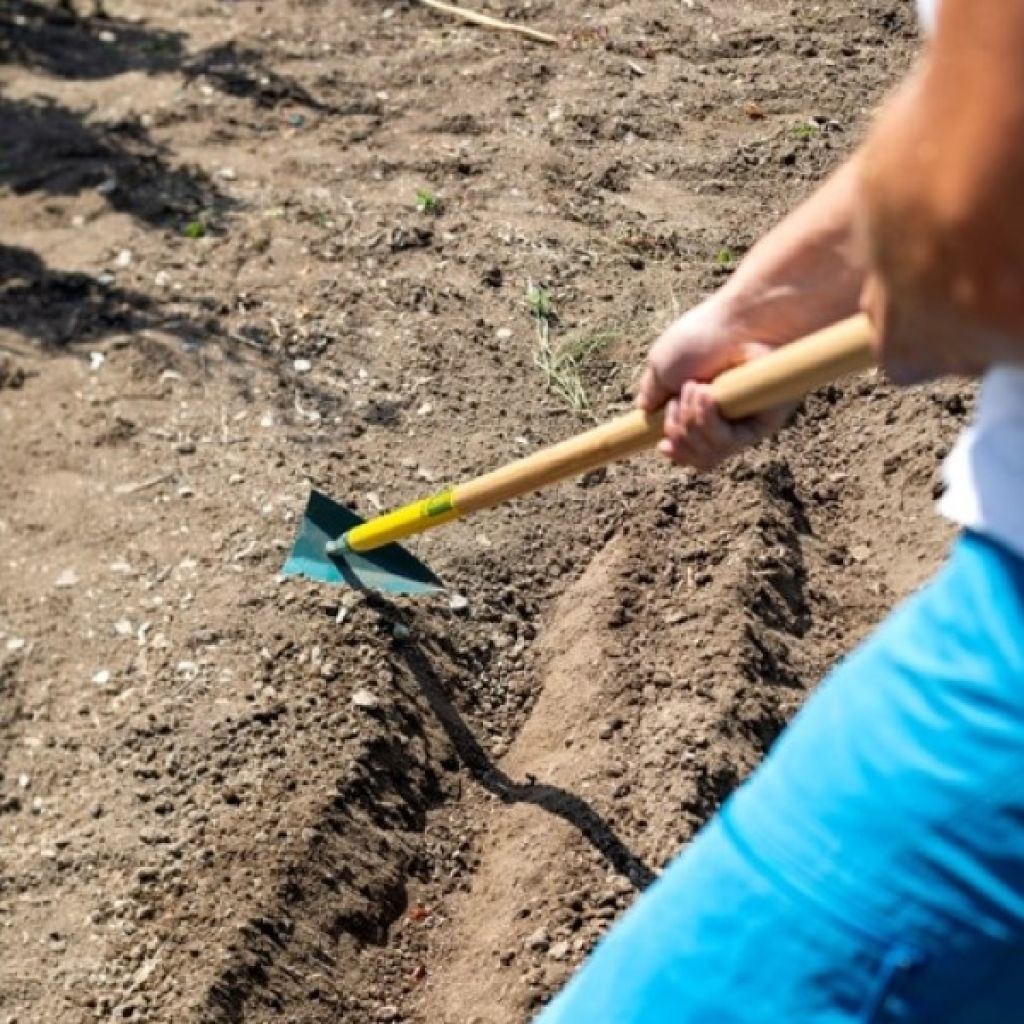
{"x":984,"y":473}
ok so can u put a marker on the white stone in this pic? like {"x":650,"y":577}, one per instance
{"x":365,"y":699}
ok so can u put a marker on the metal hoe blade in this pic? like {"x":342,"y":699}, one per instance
{"x":390,"y":569}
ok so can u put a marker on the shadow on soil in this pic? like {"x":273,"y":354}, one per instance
{"x":56,"y":307}
{"x":565,"y":805}
{"x":46,"y":147}
{"x":53,"y":40}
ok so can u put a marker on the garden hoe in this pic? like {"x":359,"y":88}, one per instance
{"x":335,"y":546}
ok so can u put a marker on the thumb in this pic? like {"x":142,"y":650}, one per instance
{"x":653,"y":393}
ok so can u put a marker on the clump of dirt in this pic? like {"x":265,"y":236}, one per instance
{"x":230,"y":797}
{"x":11,"y":374}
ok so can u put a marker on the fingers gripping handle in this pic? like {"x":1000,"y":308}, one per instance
{"x":794,"y":370}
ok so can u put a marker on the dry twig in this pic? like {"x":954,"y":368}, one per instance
{"x":488,"y":22}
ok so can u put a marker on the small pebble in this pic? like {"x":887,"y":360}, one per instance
{"x":68,"y":578}
{"x":124,"y":258}
{"x":302,"y":365}
{"x":365,"y":699}
{"x":102,"y":677}
{"x":458,"y":603}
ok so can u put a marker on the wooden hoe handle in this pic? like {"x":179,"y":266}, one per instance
{"x":785,"y":375}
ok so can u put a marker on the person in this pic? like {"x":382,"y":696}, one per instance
{"x":872,"y":868}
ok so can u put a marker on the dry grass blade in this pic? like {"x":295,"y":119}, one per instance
{"x":488,"y":22}
{"x":563,"y":363}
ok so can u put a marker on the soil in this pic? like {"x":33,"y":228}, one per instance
{"x":227,"y":796}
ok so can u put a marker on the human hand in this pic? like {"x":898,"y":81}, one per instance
{"x":702,"y":343}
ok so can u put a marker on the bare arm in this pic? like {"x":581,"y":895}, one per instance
{"x":943,"y":200}
{"x":808,"y":271}
{"x":804,"y":274}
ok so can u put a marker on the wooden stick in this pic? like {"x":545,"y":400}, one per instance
{"x":488,"y":22}
{"x":143,"y":485}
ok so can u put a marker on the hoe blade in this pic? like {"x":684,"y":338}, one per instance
{"x":389,"y":569}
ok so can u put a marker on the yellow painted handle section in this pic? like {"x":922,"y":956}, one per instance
{"x":403,"y":522}
{"x":785,"y":375}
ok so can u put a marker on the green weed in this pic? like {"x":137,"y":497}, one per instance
{"x":427,"y":202}
{"x":539,"y":301}
{"x":806,"y":131}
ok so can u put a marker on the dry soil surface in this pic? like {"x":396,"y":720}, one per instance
{"x":249,"y":247}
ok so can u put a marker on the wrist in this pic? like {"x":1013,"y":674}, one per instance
{"x":778,"y":312}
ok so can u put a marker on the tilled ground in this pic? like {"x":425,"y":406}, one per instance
{"x":229,"y":797}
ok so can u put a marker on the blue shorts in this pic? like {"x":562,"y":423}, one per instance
{"x":872,"y":869}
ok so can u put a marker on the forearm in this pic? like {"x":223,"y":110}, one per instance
{"x":807,"y":270}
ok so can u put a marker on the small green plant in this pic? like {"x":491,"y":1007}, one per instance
{"x":194,"y":229}
{"x":539,"y":301}
{"x":427,"y":202}
{"x":724,"y":258}
{"x":806,"y":131}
